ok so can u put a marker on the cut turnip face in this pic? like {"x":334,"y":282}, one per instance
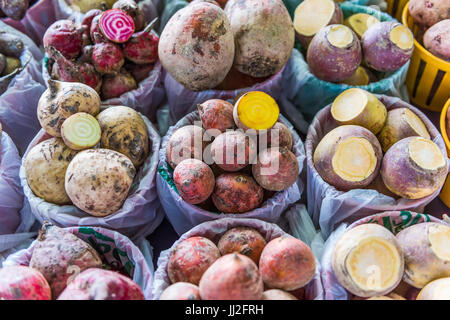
{"x":361,"y":77}
{"x":359,"y":107}
{"x":116,"y":25}
{"x":401,"y":123}
{"x":360,"y":22}
{"x":387,"y":46}
{"x":334,"y":53}
{"x":81,"y":131}
{"x":368,"y":261}
{"x":256,"y":110}
{"x":414,"y":168}
{"x":348,"y":157}
{"x":312,"y":15}
{"x":436,"y":290}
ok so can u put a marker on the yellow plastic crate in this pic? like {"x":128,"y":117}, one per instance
{"x":445,"y":192}
{"x":395,"y":8}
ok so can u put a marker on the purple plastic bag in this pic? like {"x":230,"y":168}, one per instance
{"x":184,"y":216}
{"x":140,"y":214}
{"x":114,"y":248}
{"x":182,"y":101}
{"x":213,"y":230}
{"x":328,"y":206}
{"x":395,"y":221}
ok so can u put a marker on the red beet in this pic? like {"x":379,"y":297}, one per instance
{"x":107,"y":58}
{"x":116,"y":85}
{"x":139,"y":71}
{"x":116,"y":25}
{"x":133,"y":10}
{"x":23,"y":283}
{"x":142,"y":48}
{"x":89,"y":16}
{"x":66,"y":36}
{"x":86,"y":54}
{"x":95,"y":28}
{"x":73,"y":71}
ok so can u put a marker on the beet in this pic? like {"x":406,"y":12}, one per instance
{"x":116,"y":25}
{"x":66,"y":37}
{"x":133,"y":10}
{"x":139,"y":71}
{"x":107,"y":58}
{"x":142,"y":47}
{"x":116,"y":85}
{"x":23,"y":283}
{"x":95,"y":28}
{"x":89,"y":16}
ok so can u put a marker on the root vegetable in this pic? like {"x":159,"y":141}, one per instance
{"x":401,"y":123}
{"x":426,"y":252}
{"x":264,"y":35}
{"x":142,"y":47}
{"x":437,"y":39}
{"x":436,"y":290}
{"x":427,"y":13}
{"x":84,"y":6}
{"x":89,"y":16}
{"x":232,"y":277}
{"x":66,"y":37}
{"x":236,"y":193}
{"x":197,"y":46}
{"x":80,"y":131}
{"x":255,"y":110}
{"x":124,"y":130}
{"x":233,"y":150}
{"x":276,"y":169}
{"x":23,"y":283}
{"x":243,"y":240}
{"x":287,"y":263}
{"x":114,"y":86}
{"x":387,"y":46}
{"x":86,"y":54}
{"x":101,"y":187}
{"x":14,"y":9}
{"x":63,"y":99}
{"x":194,"y":180}
{"x":185,"y":143}
{"x":12,"y":64}
{"x":190,"y":259}
{"x":360,"y":22}
{"x":58,"y":254}
{"x":361,"y":77}
{"x":414,"y":168}
{"x":276,"y":294}
{"x":312,"y":15}
{"x":139,"y":71}
{"x":45,"y":169}
{"x":133,"y":10}
{"x":209,"y":1}
{"x":99,"y":284}
{"x":368,"y":261}
{"x":107,"y":58}
{"x":95,"y":29}
{"x":359,"y":107}
{"x":379,"y":186}
{"x":116,"y":25}
{"x":11,"y":45}
{"x":2,"y":63}
{"x":348,"y":157}
{"x":181,"y":291}
{"x":334,"y":53}
{"x":216,"y":114}
{"x":279,"y":136}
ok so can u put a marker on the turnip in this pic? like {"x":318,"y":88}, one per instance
{"x":387,"y":46}
{"x":312,"y":15}
{"x":334,"y":53}
{"x":116,"y":25}
{"x":367,"y":261}
{"x":437,"y":39}
{"x":66,"y":37}
{"x":14,"y":9}
{"x":427,"y":13}
{"x":348,"y":157}
{"x":361,"y":77}
{"x":414,"y":168}
{"x":436,"y":290}
{"x":142,"y":47}
{"x":360,"y":22}
{"x":11,"y":45}
{"x":80,"y":131}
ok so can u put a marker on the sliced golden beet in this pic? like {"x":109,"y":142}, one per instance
{"x":312,"y":15}
{"x":402,"y":37}
{"x":426,"y":154}
{"x":80,"y":131}
{"x":256,"y":110}
{"x":360,"y":22}
{"x":340,"y":36}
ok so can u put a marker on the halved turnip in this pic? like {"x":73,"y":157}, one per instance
{"x":360,"y":22}
{"x":437,"y":39}
{"x":436,"y":290}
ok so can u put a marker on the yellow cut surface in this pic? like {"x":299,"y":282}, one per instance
{"x":354,"y":159}
{"x":359,"y":78}
{"x":439,"y":237}
{"x":340,"y":36}
{"x":81,"y":131}
{"x":257,"y":110}
{"x":425,"y":153}
{"x":416,"y":124}
{"x":349,"y":104}
{"x":312,"y":15}
{"x":374,"y":264}
{"x":360,"y":22}
{"x":436,"y":290}
{"x":402,"y":37}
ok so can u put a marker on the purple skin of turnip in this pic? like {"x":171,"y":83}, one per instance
{"x":334,"y":53}
{"x":387,"y":46}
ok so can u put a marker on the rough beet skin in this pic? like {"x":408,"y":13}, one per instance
{"x":181,"y":291}
{"x":142,"y":47}
{"x":216,"y":114}
{"x":185,"y":143}
{"x":107,"y":58}
{"x":115,"y":85}
{"x":66,"y":36}
{"x":244,"y":240}
{"x":23,"y":283}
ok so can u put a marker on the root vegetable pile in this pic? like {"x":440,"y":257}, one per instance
{"x":92,"y":158}
{"x":11,"y":49}
{"x":243,"y":268}
{"x":351,"y":156}
{"x":109,"y":51}
{"x":230,"y":182}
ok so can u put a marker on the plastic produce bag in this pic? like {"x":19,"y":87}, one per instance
{"x":213,"y":230}
{"x":328,"y":206}
{"x":140,"y":214}
{"x":184,"y":216}
{"x":394,"y":221}
{"x":310,"y":94}
{"x":116,"y":250}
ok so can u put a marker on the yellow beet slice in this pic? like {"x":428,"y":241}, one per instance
{"x":359,"y":107}
{"x":81,"y":131}
{"x":256,"y":110}
{"x":426,"y":154}
{"x":340,"y":36}
{"x":360,"y":22}
{"x":402,"y":37}
{"x":312,"y":15}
